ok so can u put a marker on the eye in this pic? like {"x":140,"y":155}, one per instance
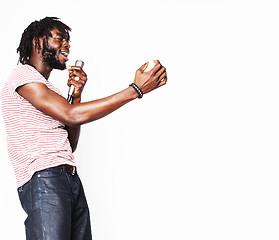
{"x":59,"y":39}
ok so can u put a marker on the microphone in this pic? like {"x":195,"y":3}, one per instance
{"x":78,"y":63}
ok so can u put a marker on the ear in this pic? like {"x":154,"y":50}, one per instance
{"x":35,"y":46}
{"x":34,"y":43}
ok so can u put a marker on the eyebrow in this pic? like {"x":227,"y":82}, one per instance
{"x":64,"y":36}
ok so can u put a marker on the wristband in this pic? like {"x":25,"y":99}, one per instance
{"x":137,"y":89}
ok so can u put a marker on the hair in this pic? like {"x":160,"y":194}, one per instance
{"x":36,"y":30}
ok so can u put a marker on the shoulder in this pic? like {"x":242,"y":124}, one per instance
{"x":24,"y":74}
{"x":27,"y":72}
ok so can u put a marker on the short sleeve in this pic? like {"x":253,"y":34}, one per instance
{"x":23,"y":75}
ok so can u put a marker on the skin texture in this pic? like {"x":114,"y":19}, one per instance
{"x":75,"y":114}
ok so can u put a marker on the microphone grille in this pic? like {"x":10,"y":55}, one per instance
{"x":79,"y":63}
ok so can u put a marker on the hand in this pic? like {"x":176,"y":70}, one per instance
{"x":77,"y":78}
{"x":148,"y":81}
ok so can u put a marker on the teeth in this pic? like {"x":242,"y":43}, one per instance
{"x":65,"y":54}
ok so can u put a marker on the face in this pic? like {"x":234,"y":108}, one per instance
{"x":55,"y":50}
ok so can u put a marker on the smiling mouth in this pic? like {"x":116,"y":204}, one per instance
{"x":65,"y":55}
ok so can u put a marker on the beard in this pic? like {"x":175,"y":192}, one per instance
{"x":50,"y":57}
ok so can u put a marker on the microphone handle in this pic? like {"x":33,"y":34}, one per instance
{"x":78,"y":63}
{"x":70,"y":93}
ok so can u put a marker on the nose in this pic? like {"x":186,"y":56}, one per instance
{"x":66,"y":44}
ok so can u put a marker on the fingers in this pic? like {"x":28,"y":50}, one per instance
{"x":143,"y":67}
{"x":163,"y":81}
{"x":154,"y":69}
{"x":157,"y":67}
{"x":77,"y":71}
{"x":76,"y":84}
{"x":164,"y":75}
{"x":160,"y":74}
{"x":77,"y":78}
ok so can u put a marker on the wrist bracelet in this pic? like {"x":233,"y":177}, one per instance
{"x":137,"y":89}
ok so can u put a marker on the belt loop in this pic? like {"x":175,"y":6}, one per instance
{"x":74,"y":171}
{"x":70,"y":169}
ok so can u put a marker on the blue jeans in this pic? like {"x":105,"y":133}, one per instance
{"x":56,"y":206}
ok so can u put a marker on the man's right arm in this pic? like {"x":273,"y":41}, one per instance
{"x":54,"y":105}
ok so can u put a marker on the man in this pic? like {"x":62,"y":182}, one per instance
{"x":43,"y":130}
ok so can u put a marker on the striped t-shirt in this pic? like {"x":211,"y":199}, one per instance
{"x":35,"y":140}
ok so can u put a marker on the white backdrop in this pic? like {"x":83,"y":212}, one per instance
{"x":196,"y":159}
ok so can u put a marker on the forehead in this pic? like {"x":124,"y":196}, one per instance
{"x":56,"y":32}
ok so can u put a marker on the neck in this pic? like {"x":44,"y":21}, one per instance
{"x":41,"y":67}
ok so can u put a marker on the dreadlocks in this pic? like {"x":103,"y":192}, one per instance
{"x":36,"y":30}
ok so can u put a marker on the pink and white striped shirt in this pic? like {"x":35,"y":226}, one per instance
{"x":35,"y":140}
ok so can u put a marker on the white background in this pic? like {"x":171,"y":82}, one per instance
{"x":198,"y":158}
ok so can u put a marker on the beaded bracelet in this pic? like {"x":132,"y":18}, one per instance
{"x":137,"y":89}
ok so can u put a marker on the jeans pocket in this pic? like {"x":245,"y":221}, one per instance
{"x":24,"y":195}
{"x":50,"y":172}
